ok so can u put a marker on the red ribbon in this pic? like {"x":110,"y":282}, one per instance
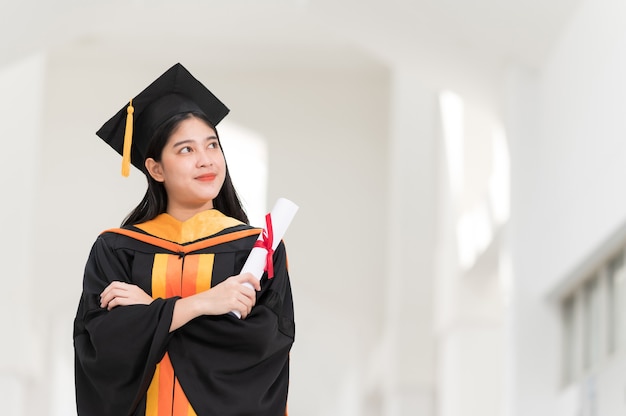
{"x":266,"y":242}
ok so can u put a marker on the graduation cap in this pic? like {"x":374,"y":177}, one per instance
{"x":175,"y":92}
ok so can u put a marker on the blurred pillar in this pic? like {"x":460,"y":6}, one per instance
{"x":409,"y":372}
{"x":469,"y":294}
{"x":21,"y":96}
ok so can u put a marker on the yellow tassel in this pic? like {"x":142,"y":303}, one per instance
{"x":128,"y":139}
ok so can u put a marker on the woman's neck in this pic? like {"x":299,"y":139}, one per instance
{"x":183,"y":213}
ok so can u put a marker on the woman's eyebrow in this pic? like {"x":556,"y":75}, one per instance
{"x":187,"y":141}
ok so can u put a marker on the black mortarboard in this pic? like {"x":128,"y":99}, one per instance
{"x":174,"y":92}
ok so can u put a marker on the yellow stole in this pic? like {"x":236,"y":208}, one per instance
{"x":173,"y":275}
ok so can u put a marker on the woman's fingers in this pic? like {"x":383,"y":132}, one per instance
{"x":249,"y":285}
{"x":249,"y":278}
{"x":242,"y":298}
{"x":237,"y":293}
{"x":123,"y":294}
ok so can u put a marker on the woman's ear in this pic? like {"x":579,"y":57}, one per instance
{"x":154,"y":169}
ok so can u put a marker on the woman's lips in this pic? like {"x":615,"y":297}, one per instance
{"x":207,"y":177}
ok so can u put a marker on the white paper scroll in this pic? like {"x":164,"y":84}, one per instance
{"x":283,"y":212}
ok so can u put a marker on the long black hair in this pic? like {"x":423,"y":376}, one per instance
{"x":154,"y":201}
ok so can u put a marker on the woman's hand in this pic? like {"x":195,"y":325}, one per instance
{"x":230,"y":295}
{"x":123,"y":294}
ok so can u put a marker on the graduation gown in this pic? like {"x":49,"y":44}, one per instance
{"x":126,"y":360}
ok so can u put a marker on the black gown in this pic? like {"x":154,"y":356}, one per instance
{"x":127,"y":362}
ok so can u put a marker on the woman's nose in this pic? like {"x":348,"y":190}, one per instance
{"x":204,"y":159}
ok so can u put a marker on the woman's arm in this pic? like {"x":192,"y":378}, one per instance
{"x":227,"y":296}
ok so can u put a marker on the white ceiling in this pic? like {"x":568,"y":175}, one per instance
{"x":272,"y":33}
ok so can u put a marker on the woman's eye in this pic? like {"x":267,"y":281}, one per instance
{"x":185,"y":149}
{"x":213,"y":145}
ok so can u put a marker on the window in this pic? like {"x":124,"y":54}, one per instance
{"x":478,"y":171}
{"x":616,"y":303}
{"x":570,"y":339}
{"x":594,"y":319}
{"x":592,"y":324}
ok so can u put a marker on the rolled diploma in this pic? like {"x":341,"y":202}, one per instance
{"x":283,"y":212}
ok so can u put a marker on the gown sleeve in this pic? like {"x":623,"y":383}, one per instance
{"x":116,"y":351}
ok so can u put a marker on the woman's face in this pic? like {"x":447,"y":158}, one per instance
{"x":192,"y":166}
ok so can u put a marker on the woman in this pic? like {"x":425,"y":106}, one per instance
{"x":153,"y":334}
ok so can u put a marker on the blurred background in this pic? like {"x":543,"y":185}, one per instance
{"x":460,"y":240}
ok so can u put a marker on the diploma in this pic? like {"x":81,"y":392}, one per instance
{"x":260,"y":258}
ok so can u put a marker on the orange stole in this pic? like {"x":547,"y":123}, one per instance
{"x":175,"y":276}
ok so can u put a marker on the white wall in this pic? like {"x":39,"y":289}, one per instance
{"x":567,"y":128}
